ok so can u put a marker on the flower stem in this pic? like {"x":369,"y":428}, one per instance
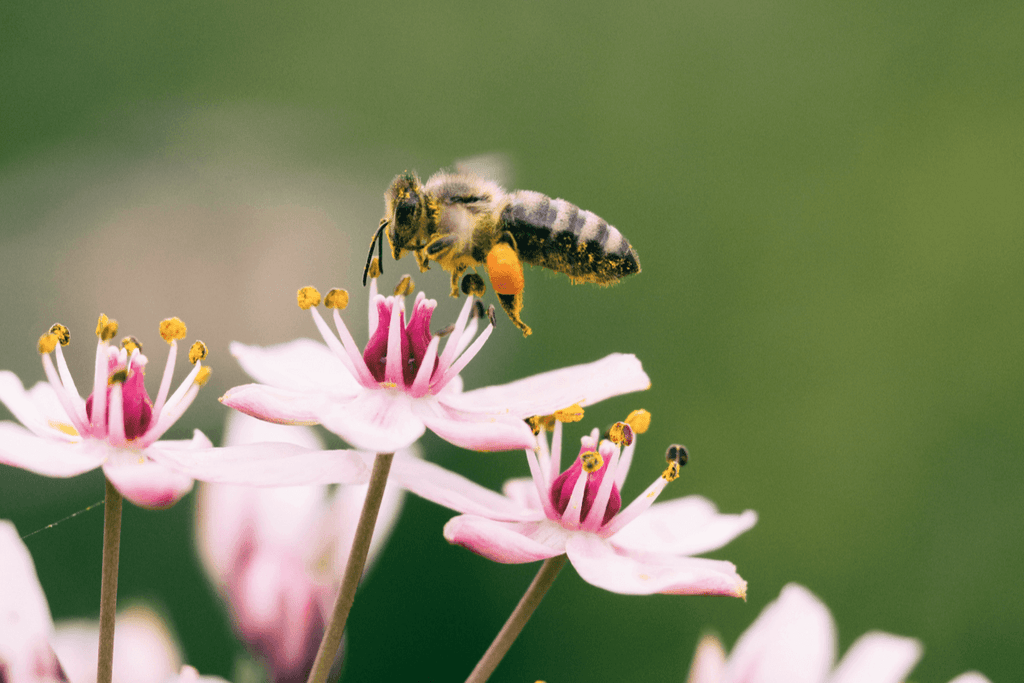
{"x":108,"y":582}
{"x":331,"y":643}
{"x":517,"y":620}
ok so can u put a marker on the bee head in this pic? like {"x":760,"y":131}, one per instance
{"x":404,"y":199}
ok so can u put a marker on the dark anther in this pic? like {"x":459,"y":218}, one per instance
{"x":445,"y":331}
{"x":678,"y":454}
{"x":473,"y":284}
{"x":490,"y":315}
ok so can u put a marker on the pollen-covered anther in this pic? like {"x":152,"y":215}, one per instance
{"x":106,"y":329}
{"x":677,"y":456}
{"x":197,"y":352}
{"x":130,"y":344}
{"x":336,"y":298}
{"x":203,"y":376}
{"x":405,"y":286}
{"x":639,"y":420}
{"x":621,"y":433}
{"x":308,"y":297}
{"x":118,"y":377}
{"x":374,"y":271}
{"x":48,"y":342}
{"x":62,"y":332}
{"x":573,"y":413}
{"x":537,"y":422}
{"x":490,"y":315}
{"x":473,"y":285}
{"x":592,"y":461}
{"x":172,"y":329}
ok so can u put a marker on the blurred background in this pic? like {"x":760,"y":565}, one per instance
{"x":826,"y":199}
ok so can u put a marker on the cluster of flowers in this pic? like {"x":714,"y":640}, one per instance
{"x":286,"y":550}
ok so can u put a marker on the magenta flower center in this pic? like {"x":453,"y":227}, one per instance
{"x":562,"y":487}
{"x":415,"y":338}
{"x":138,"y":409}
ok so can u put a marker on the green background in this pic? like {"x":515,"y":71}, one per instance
{"x":827,"y":200}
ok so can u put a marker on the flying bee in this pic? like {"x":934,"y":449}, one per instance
{"x":462,"y":221}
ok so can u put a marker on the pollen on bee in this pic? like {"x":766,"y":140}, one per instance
{"x":405,"y":286}
{"x":48,"y":342}
{"x":592,"y":461}
{"x":106,"y":329}
{"x":336,"y":298}
{"x":573,"y":413}
{"x":308,"y":297}
{"x":197,"y":352}
{"x":505,"y":269}
{"x":62,"y":332}
{"x":203,"y":376}
{"x":172,"y":329}
{"x":639,"y":420}
{"x":130,"y":343}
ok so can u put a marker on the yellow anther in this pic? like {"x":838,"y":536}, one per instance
{"x":336,"y":298}
{"x":677,"y":456}
{"x":388,"y":385}
{"x":573,"y":413}
{"x":405,"y":286}
{"x":374,"y":271}
{"x":48,"y":342}
{"x":62,"y":332}
{"x":621,"y":432}
{"x":106,"y":329}
{"x":308,"y":298}
{"x":639,"y":420}
{"x":203,"y":376}
{"x":172,"y":329}
{"x":119,"y":377}
{"x":473,"y":284}
{"x":592,"y":461}
{"x":197,"y":352}
{"x":538,"y":421}
{"x":130,"y":343}
{"x":63,"y":427}
{"x":671,"y":472}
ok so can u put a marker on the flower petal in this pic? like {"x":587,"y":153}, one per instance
{"x":262,"y":464}
{"x":708,"y":661}
{"x":282,"y":406}
{"x":242,"y":429}
{"x":878,"y":657}
{"x":970,"y":677}
{"x":684,"y":526}
{"x":473,"y":431}
{"x":455,"y":492}
{"x":302,"y":365}
{"x":543,"y":394}
{"x":381,"y":421}
{"x":792,"y":640}
{"x":524,"y":492}
{"x":147,"y":483}
{"x":600,"y":564}
{"x":25,"y":623}
{"x":21,"y":448}
{"x":505,"y":542}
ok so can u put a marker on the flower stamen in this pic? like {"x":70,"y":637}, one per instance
{"x":573,"y":413}
{"x":308,"y":297}
{"x":337,"y":299}
{"x":677,"y":456}
{"x":62,"y":332}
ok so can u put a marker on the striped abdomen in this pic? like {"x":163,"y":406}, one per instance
{"x":561,"y":236}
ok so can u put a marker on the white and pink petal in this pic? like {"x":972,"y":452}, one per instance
{"x":684,"y":526}
{"x":708,"y":662}
{"x":280,"y":406}
{"x":301,"y":365}
{"x":381,"y":421}
{"x":506,"y":542}
{"x":473,"y":431}
{"x":51,"y":458}
{"x":878,"y":657}
{"x":145,"y":482}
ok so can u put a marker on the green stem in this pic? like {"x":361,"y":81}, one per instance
{"x":517,"y":620}
{"x":108,"y":582}
{"x":331,"y":642}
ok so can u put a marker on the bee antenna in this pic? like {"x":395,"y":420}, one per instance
{"x":379,"y":242}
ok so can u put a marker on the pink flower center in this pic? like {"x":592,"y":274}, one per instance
{"x":415,"y":338}
{"x":562,"y":487}
{"x":138,"y":409}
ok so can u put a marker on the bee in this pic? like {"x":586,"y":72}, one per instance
{"x":462,"y":221}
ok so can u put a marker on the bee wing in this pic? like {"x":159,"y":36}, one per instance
{"x":494,"y":166}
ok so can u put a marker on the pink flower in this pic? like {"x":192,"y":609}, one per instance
{"x":794,"y":641}
{"x":639,"y":549}
{"x":118,"y":427}
{"x":383,"y":397}
{"x":277,"y":554}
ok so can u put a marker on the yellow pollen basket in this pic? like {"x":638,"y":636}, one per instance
{"x":172,"y":329}
{"x":505,"y":270}
{"x":62,"y":332}
{"x":197,"y":352}
{"x":106,"y":329}
{"x":308,"y":297}
{"x":48,"y":342}
{"x":203,"y":376}
{"x":405,"y":286}
{"x":592,"y":461}
{"x":639,"y":420}
{"x":130,"y":344}
{"x":336,"y":298}
{"x":573,"y":413}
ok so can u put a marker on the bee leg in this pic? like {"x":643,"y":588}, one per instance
{"x":506,"y":273}
{"x":457,"y":272}
{"x":513,"y":304}
{"x":422,"y":260}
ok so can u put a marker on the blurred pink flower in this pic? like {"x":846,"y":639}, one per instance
{"x":277,"y":554}
{"x":794,"y":641}
{"x":118,"y":428}
{"x":383,"y":398}
{"x":640,"y":549}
